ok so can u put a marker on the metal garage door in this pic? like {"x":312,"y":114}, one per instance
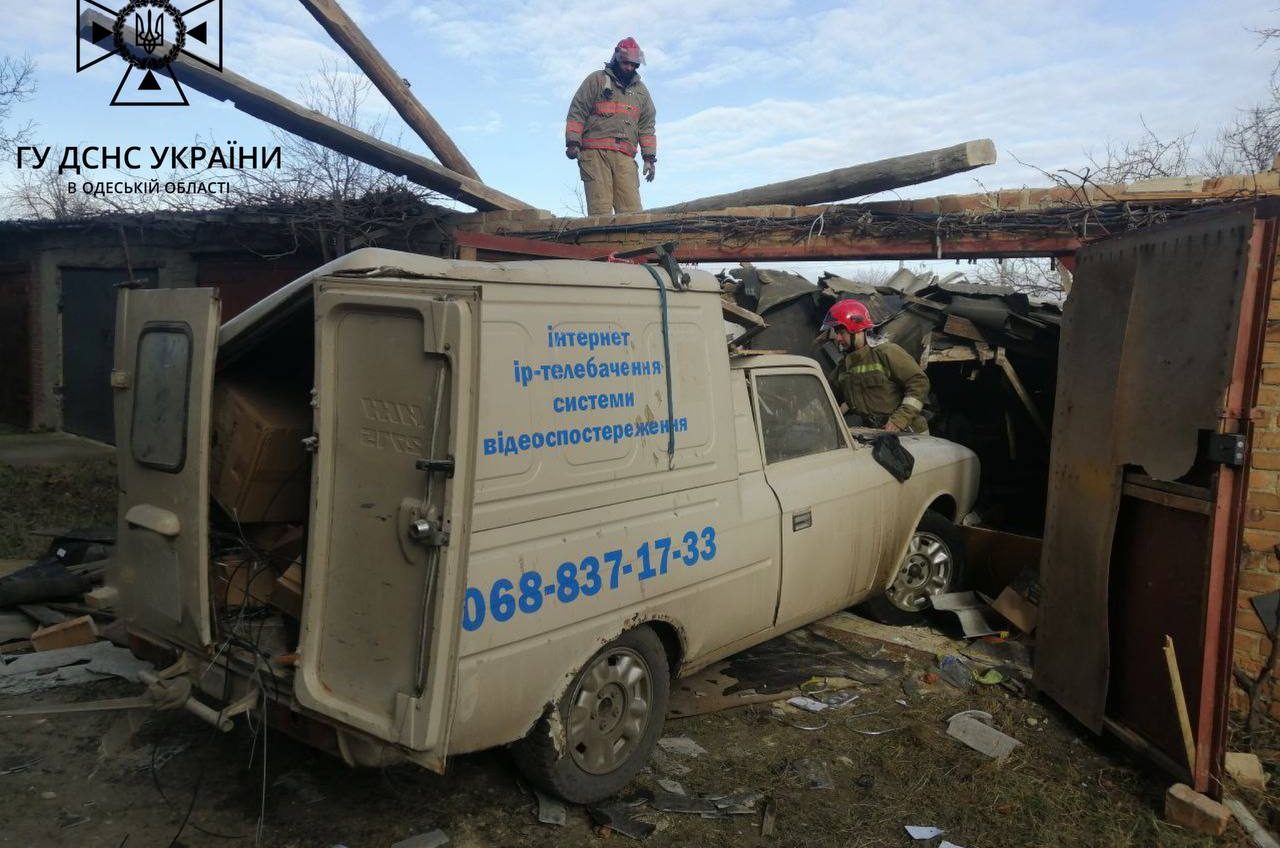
{"x":88,"y":307}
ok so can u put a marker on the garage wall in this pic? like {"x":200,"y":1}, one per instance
{"x":1260,"y":560}
{"x":242,"y":282}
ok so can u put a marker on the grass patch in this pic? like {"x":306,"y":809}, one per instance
{"x":81,"y":494}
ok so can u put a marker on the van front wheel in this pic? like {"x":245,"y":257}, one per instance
{"x":609,"y":721}
{"x":934,"y":564}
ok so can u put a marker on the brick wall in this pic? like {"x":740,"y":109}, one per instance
{"x":1260,"y":566}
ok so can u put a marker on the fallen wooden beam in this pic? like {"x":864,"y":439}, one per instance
{"x":267,"y":105}
{"x":854,"y":181}
{"x":395,"y":88}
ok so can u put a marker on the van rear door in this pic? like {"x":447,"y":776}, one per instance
{"x":166,"y":340}
{"x":395,"y":421}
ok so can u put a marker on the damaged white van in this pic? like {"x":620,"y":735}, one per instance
{"x":408,"y":507}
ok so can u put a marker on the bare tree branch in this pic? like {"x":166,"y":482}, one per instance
{"x":17,"y":85}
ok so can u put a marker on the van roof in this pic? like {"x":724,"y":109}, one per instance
{"x":378,"y":263}
{"x":769,"y":360}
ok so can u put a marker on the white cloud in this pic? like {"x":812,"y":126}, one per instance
{"x":487,"y":123}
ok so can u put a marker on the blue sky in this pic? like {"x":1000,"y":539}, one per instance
{"x":747,"y":91}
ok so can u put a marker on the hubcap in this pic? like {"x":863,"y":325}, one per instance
{"x":609,"y":711}
{"x":926,"y":571}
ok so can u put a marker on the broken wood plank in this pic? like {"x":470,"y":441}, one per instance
{"x":1021,"y":391}
{"x":1179,"y":703}
{"x":42,"y":615}
{"x":344,"y":31}
{"x":734,"y":312}
{"x":277,"y":110}
{"x":958,"y":325}
{"x":67,"y":634}
{"x":854,"y":181}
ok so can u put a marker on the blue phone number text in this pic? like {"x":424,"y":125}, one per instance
{"x":584,"y":578}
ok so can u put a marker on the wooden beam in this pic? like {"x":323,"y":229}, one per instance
{"x":490,"y":247}
{"x":710,"y":247}
{"x":395,"y":88}
{"x":1162,"y":190}
{"x":262,"y":103}
{"x":854,"y":181}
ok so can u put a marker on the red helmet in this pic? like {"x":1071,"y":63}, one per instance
{"x":628,"y":51}
{"x":850,"y":314}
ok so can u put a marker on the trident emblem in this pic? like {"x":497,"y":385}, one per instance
{"x":150,"y":34}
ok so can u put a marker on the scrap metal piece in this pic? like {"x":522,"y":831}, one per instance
{"x":681,"y":745}
{"x":968,"y":609}
{"x":969,"y":728}
{"x":551,"y":810}
{"x":430,"y":839}
{"x":620,"y":817}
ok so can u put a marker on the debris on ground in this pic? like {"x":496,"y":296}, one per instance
{"x":681,"y":746}
{"x":969,"y":609}
{"x":918,"y":831}
{"x":708,"y":806}
{"x":769,"y":820}
{"x":955,"y":672}
{"x":1187,"y":808}
{"x":431,"y":839}
{"x":551,"y":810}
{"x":68,"y":666}
{"x":806,"y":703}
{"x":663,"y":762}
{"x":622,"y":817}
{"x":1019,"y":602}
{"x":65,"y":634}
{"x":813,"y":774}
{"x":973,"y":728}
{"x":672,"y":786}
{"x":1261,"y":836}
{"x":1246,"y":770}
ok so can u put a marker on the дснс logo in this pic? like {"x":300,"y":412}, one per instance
{"x":149,"y":35}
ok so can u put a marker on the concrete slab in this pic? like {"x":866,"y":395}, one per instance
{"x":26,"y":449}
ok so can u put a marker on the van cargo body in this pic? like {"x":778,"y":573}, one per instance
{"x":510,"y":467}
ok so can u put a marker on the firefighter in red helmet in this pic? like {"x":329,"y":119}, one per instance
{"x":610,"y":118}
{"x":881,"y":383}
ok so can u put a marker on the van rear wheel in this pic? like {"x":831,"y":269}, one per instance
{"x":610,"y":718}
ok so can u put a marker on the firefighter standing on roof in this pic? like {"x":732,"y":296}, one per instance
{"x":610,"y":116}
{"x":881,"y":382}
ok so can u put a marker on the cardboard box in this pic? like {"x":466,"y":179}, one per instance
{"x":287,"y":594}
{"x":232,"y":586}
{"x":259,"y":469}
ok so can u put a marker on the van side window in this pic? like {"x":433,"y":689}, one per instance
{"x":796,"y":417}
{"x":161,"y":386}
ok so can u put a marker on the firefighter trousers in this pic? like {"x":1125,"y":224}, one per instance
{"x":610,"y":180}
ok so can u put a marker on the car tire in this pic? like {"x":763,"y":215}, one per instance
{"x":934,"y":564}
{"x":611,"y":715}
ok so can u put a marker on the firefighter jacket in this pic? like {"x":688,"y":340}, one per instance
{"x":883,"y":383}
{"x":607,"y":115}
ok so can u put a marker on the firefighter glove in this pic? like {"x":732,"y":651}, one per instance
{"x":571,"y":150}
{"x":650,"y":169}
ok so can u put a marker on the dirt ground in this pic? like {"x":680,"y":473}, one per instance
{"x":94,"y":779}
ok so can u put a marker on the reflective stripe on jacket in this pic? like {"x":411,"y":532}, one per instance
{"x":883,"y":383}
{"x":606,"y":115}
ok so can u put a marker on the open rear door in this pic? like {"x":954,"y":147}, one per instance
{"x":1157,"y":375}
{"x":166,"y":340}
{"x":396,"y":406}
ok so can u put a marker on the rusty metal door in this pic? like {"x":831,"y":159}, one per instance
{"x":1156,"y":377}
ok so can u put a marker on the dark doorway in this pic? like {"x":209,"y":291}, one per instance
{"x":15,"y":346}
{"x":88,"y":308}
